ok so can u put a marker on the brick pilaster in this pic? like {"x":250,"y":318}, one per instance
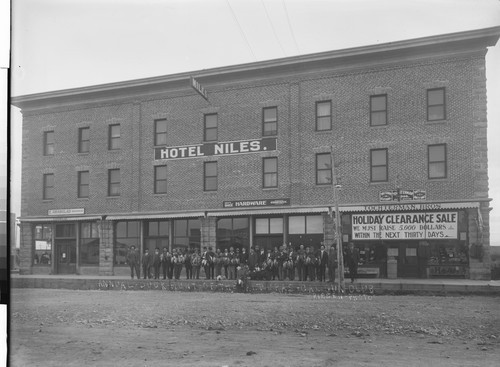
{"x":26,"y":250}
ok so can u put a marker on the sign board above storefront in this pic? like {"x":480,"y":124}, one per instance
{"x":66,"y":211}
{"x":216,"y":149}
{"x":403,"y":195}
{"x":256,"y":203}
{"x":199,"y":88}
{"x":405,"y":226}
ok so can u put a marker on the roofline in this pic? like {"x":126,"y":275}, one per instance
{"x":480,"y":38}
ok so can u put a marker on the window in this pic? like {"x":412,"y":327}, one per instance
{"x":156,"y":235}
{"x":126,"y":235}
{"x":43,"y":244}
{"x":436,"y":108}
{"x":161,"y":132}
{"x":114,"y":182}
{"x":89,"y":244}
{"x":160,"y":179}
{"x":48,"y":143}
{"x":187,"y":233}
{"x":114,"y":137}
{"x":66,"y":230}
{"x":270,"y":172}
{"x":268,"y":225}
{"x":305,"y":230}
{"x":270,"y":121}
{"x":210,"y":130}
{"x":378,"y":165}
{"x":323,"y":169}
{"x":84,"y":140}
{"x":436,"y":155}
{"x":323,"y":116}
{"x":378,"y":110}
{"x":48,"y":186}
{"x":210,"y":176}
{"x":233,"y":232}
{"x":83,"y":184}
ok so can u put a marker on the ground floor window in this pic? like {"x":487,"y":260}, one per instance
{"x":156,"y":235}
{"x":268,"y":233}
{"x":43,"y":245}
{"x":187,"y":234}
{"x":126,"y":234}
{"x":233,"y":232}
{"x":305,"y":230}
{"x":89,"y":244}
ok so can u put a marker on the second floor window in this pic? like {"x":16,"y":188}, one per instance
{"x":270,"y":172}
{"x":48,"y":143}
{"x":161,"y":132}
{"x":436,"y":155}
{"x":210,"y":127}
{"x":84,"y":140}
{"x":83,"y":184}
{"x":114,"y":142}
{"x":48,"y":186}
{"x":379,"y":165}
{"x":210,"y":176}
{"x":323,"y":116}
{"x":323,"y":169}
{"x":436,"y":107}
{"x":378,"y":110}
{"x":270,"y":121}
{"x":160,"y":179}
{"x":114,"y":182}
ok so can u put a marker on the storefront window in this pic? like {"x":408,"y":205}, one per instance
{"x":156,"y":235}
{"x":268,"y":232}
{"x":127,"y":234}
{"x":305,"y":230}
{"x":43,"y":245}
{"x":187,"y":234}
{"x":89,"y":244}
{"x":233,"y":232}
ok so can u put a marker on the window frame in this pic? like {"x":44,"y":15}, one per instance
{"x":157,"y":180}
{"x":445,"y":161}
{"x":323,"y":169}
{"x":112,"y":140}
{"x":386,"y":165}
{"x":266,"y":174}
{"x":158,"y":134}
{"x":264,"y":122}
{"x":206,"y":129}
{"x":80,"y":185}
{"x":81,"y":141}
{"x":372,"y":111}
{"x":46,"y":187}
{"x":114,"y":183}
{"x":205,"y":177}
{"x":48,"y":147}
{"x":318,"y":103}
{"x":443,"y":89}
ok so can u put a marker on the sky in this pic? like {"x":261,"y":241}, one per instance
{"x":60,"y":44}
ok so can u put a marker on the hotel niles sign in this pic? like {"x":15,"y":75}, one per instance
{"x":216,"y":149}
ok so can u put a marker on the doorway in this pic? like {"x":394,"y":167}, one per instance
{"x":66,"y":256}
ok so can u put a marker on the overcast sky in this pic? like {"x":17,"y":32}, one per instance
{"x":59,"y":44}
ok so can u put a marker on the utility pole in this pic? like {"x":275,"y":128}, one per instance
{"x":338,"y":233}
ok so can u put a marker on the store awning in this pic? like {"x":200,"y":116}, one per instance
{"x":59,"y":219}
{"x":166,"y":215}
{"x":268,"y":211}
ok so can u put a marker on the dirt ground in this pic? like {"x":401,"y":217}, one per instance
{"x":153,"y":328}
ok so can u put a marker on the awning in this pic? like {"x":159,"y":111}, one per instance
{"x":268,"y":211}
{"x":403,"y":206}
{"x":133,"y":216}
{"x":68,"y":218}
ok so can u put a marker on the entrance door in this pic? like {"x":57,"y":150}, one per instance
{"x":408,"y":260}
{"x":66,"y":256}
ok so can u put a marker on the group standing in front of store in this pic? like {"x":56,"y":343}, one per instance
{"x":283,"y":263}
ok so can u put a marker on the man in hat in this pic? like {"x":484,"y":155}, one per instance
{"x":146,"y":264}
{"x":211,"y":254}
{"x":133,"y":262}
{"x":352,"y":257}
{"x":322,"y":262}
{"x":156,"y":263}
{"x":332,"y":263}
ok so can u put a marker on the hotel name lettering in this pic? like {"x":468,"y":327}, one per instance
{"x":216,"y":149}
{"x":405,"y":226}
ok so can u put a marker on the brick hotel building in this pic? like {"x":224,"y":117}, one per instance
{"x":242,"y":155}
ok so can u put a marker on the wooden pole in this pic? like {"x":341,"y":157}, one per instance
{"x":338,"y":231}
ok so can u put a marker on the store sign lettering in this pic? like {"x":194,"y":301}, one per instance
{"x":251,"y":203}
{"x":405,"y":226}
{"x":216,"y":149}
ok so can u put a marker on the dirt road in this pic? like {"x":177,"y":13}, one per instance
{"x":153,"y":328}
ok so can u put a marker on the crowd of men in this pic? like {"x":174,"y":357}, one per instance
{"x":283,"y":263}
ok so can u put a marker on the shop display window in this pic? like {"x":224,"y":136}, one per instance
{"x":43,"y":245}
{"x":89,"y":244}
{"x":233,"y":232}
{"x":127,"y":234}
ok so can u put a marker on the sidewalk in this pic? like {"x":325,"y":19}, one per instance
{"x":360,"y":286}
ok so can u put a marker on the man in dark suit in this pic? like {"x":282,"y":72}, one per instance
{"x":352,"y":256}
{"x":211,"y":256}
{"x":133,"y":262}
{"x":146,"y":264}
{"x":156,"y":263}
{"x":322,"y":262}
{"x":253,"y":259}
{"x":332,"y":263}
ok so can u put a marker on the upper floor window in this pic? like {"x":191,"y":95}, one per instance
{"x":378,"y":110}
{"x":48,"y":186}
{"x":48,"y":143}
{"x":114,"y":182}
{"x":379,"y":171}
{"x":210,"y":127}
{"x":161,"y":132}
{"x":160,"y":180}
{"x":436,"y":106}
{"x":323,"y":169}
{"x":83,"y":140}
{"x":323,"y":115}
{"x":210,"y":176}
{"x":270,"y":172}
{"x":83,"y":184}
{"x":270,"y":121}
{"x":114,"y":141}
{"x":436,"y":161}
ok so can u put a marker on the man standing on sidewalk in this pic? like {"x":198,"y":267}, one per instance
{"x":133,"y":262}
{"x":352,"y":261}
